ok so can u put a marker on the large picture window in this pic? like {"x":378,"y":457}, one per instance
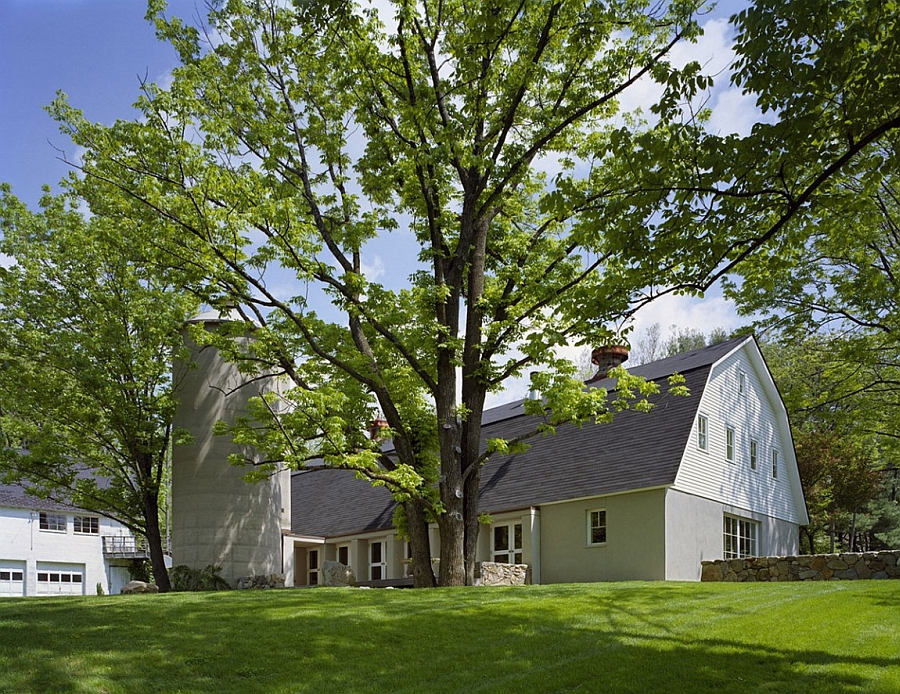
{"x":597,"y":527}
{"x":741,"y":536}
{"x":507,"y":543}
{"x":55,"y":522}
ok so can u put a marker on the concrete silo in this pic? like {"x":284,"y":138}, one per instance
{"x":217,"y":517}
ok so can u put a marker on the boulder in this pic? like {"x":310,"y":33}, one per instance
{"x":337,"y":575}
{"x":134,"y":587}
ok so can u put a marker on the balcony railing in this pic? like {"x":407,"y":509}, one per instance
{"x":124,"y":547}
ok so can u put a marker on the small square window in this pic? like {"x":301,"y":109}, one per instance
{"x":702,"y":433}
{"x":729,"y":444}
{"x":597,"y":527}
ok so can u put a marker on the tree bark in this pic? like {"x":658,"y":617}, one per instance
{"x":420,"y":544}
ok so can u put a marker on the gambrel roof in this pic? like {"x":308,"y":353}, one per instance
{"x":636,"y":451}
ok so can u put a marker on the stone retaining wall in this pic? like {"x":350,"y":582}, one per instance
{"x":815,"y":567}
{"x":497,"y":574}
{"x":261,"y":582}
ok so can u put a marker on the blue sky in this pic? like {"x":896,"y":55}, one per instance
{"x":98,"y":51}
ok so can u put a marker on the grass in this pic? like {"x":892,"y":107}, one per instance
{"x":619,"y":637}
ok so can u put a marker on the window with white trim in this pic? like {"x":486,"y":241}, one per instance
{"x":741,"y":536}
{"x":53,"y":522}
{"x":702,"y":432}
{"x":729,"y":444}
{"x":377,"y":564}
{"x":596,"y":522}
{"x":742,"y":383}
{"x":86,"y":525}
{"x":774,"y":463}
{"x":754,"y":454}
{"x":312,"y":567}
{"x":506,"y":541}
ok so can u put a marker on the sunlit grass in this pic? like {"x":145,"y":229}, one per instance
{"x":621,"y":637}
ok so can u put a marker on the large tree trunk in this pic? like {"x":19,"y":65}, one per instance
{"x":154,"y":540}
{"x":420,"y":544}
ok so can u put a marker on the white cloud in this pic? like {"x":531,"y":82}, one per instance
{"x":374,"y":270}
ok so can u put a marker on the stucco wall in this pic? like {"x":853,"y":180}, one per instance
{"x":635,"y":547}
{"x":695,"y":527}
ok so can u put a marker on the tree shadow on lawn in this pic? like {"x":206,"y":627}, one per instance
{"x":471,"y":640}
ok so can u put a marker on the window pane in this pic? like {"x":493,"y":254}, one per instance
{"x":501,"y":538}
{"x":344,"y":555}
{"x":314,"y":559}
{"x":376,"y":552}
{"x":517,"y":528}
{"x":17,"y":575}
{"x":517,"y":558}
{"x":76,"y":578}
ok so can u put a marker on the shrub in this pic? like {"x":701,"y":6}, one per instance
{"x":184,"y":578}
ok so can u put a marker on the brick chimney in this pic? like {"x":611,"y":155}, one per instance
{"x":377,"y":426}
{"x":606,"y":358}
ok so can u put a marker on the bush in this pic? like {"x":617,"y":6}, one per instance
{"x":184,"y":578}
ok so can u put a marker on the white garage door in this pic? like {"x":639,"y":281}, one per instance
{"x":12,"y":579}
{"x":60,"y":580}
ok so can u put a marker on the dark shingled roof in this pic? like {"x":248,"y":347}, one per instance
{"x":636,"y":451}
{"x":15,"y":496}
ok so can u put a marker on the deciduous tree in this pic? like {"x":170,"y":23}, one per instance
{"x":86,"y":342}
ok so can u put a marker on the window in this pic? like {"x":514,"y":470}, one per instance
{"x":742,"y":383}
{"x":343,"y":554}
{"x":729,"y":444}
{"x":774,"y":464}
{"x":740,"y":537}
{"x":376,"y":561}
{"x":312,"y":565}
{"x":597,"y":527}
{"x":55,"y":522}
{"x":702,"y":436}
{"x":87,"y":525}
{"x":754,"y":454}
{"x":10,"y":575}
{"x":507,"y":541}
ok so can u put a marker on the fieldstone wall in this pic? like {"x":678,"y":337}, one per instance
{"x":261,"y":582}
{"x":496,"y":574}
{"x":815,"y":567}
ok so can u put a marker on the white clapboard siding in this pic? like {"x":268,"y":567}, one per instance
{"x":757,"y":413}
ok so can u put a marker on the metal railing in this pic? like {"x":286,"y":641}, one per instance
{"x":125,"y":546}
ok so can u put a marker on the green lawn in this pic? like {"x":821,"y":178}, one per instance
{"x":618,"y":637}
